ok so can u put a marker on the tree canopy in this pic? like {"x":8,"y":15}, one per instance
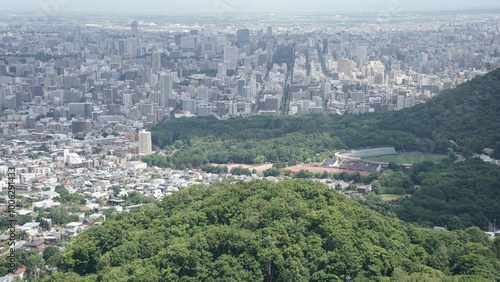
{"x":293,"y":230}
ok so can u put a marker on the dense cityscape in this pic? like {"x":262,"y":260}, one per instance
{"x":81,"y":99}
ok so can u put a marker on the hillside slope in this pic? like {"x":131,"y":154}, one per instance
{"x":467,"y":115}
{"x":264,"y":231}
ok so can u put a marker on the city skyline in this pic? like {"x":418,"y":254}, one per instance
{"x":241,"y":6}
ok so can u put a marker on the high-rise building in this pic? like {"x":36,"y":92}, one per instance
{"x":243,"y":36}
{"x":134,"y":32}
{"x":270,"y":31}
{"x":145,"y":147}
{"x":358,"y":97}
{"x":165,"y":88}
{"x":189,"y":42}
{"x":221,"y":70}
{"x":131,"y":47}
{"x":204,"y":110}
{"x":156,"y":61}
{"x":122,"y":47}
{"x":362,"y":53}
{"x":188,"y":105}
{"x":230,"y":56}
{"x":82,"y":109}
{"x":77,"y":38}
{"x":344,"y":66}
{"x":241,"y":82}
{"x":102,"y":41}
{"x":80,"y":125}
{"x":400,"y":102}
{"x":159,"y":113}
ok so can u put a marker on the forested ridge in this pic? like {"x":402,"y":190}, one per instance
{"x":453,"y":195}
{"x":292,"y":230}
{"x":468,"y":115}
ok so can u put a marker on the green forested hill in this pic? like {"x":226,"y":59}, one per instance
{"x":264,"y":231}
{"x":467,"y":115}
{"x":455,"y":195}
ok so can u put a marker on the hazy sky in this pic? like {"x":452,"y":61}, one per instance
{"x":216,"y":6}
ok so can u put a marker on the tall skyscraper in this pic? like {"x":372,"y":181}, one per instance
{"x":122,"y":47}
{"x":134,"y":32}
{"x":145,"y":147}
{"x":269,"y":34}
{"x":165,"y":88}
{"x":102,"y":41}
{"x":362,"y":53}
{"x":77,"y":38}
{"x":243,"y":36}
{"x":156,"y":61}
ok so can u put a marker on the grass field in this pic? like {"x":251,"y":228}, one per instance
{"x":411,"y":158}
{"x":390,"y":197}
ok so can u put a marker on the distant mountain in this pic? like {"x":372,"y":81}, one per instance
{"x":468,"y":115}
{"x":265,"y":231}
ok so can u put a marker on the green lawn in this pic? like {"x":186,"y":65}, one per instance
{"x":411,"y":157}
{"x":390,"y":197}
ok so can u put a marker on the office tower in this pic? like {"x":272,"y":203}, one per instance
{"x":230,"y":56}
{"x":122,"y":47}
{"x":272,"y":103}
{"x":245,"y":93}
{"x":268,"y":37}
{"x":77,"y":38}
{"x":221,"y":70}
{"x":82,"y":109}
{"x":243,"y":36}
{"x":80,"y":125}
{"x":362,"y":53}
{"x":232,"y":109}
{"x":103,"y":38}
{"x":156,"y":61}
{"x":400,"y":102}
{"x":204,"y":110}
{"x":145,"y":143}
{"x":189,"y":42}
{"x":241,"y":83}
{"x":253,"y":88}
{"x":133,"y":31}
{"x":188,"y":105}
{"x":270,"y":31}
{"x":165,"y":88}
{"x":131,"y":49}
{"x":269,"y":52}
{"x":128,"y":100}
{"x":358,"y":97}
{"x":159,"y":114}
{"x":202,"y":93}
{"x":344,"y":66}
{"x":343,"y":37}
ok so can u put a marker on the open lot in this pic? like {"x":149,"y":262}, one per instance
{"x":411,"y":157}
{"x":390,"y":197}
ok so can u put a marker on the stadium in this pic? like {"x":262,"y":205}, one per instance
{"x":358,"y":159}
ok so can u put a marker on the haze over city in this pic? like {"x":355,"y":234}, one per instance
{"x":244,"y":6}
{"x":249,"y":140}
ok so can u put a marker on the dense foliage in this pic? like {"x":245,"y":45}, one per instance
{"x":456,"y":195}
{"x":262,"y":231}
{"x":468,"y":115}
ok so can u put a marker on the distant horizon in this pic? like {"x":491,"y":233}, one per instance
{"x":159,"y":7}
